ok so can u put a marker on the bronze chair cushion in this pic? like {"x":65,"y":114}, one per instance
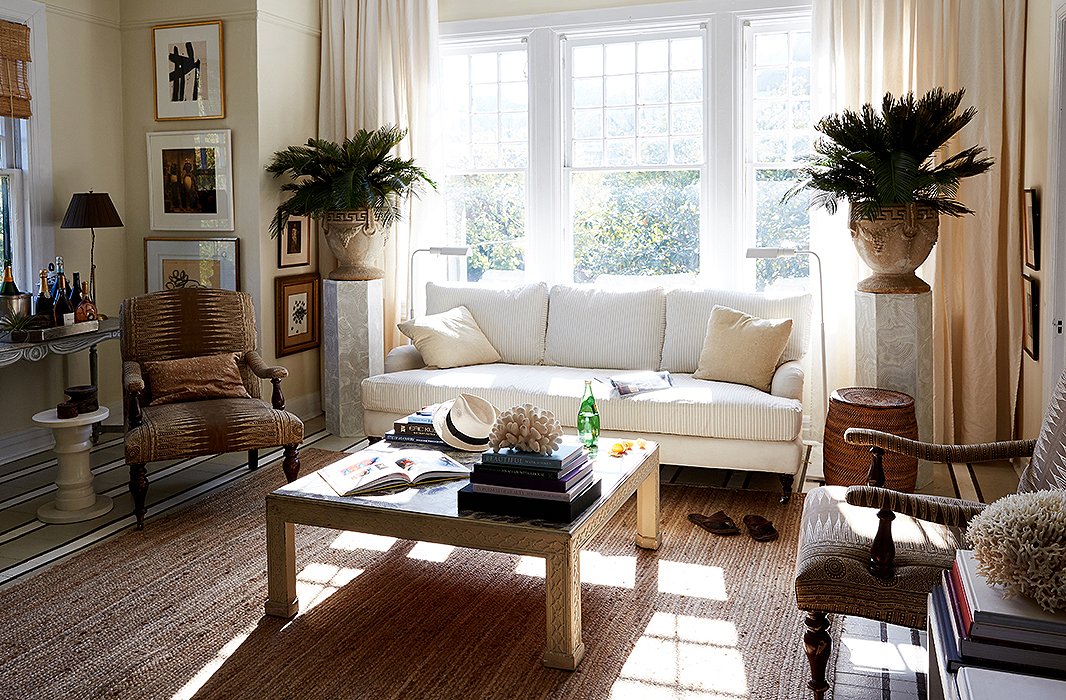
{"x":213,"y":426}
{"x":834,"y":549}
{"x":195,"y":379}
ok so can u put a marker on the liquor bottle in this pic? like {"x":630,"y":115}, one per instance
{"x":9,"y":287}
{"x":75,"y":291}
{"x":44,"y":304}
{"x":62,"y":311}
{"x":86,"y":309}
{"x":55,"y":280}
{"x":588,"y":418}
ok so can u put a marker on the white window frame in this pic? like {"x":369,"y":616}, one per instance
{"x":549,"y":255}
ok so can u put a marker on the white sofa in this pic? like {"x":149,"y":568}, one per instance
{"x":551,"y":341}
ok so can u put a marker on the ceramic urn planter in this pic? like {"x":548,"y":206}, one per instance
{"x":893,"y":245}
{"x":356,"y":239}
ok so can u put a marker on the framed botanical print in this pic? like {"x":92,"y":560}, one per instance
{"x":177,"y":263}
{"x":294,"y":245}
{"x":189,"y":79}
{"x":1031,"y":212}
{"x":190,"y":180}
{"x":1031,"y":317}
{"x":296,"y":314}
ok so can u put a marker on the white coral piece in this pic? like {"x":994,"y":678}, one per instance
{"x":526,"y":428}
{"x":1019,"y":542}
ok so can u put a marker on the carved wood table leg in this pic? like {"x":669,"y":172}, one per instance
{"x":281,"y":566}
{"x":563,"y":592}
{"x":648,"y":509}
{"x":817,"y":643}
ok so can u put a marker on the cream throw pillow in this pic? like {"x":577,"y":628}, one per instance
{"x":742,"y":349}
{"x":450,"y":339}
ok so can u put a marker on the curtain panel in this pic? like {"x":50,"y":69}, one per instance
{"x":864,"y":48}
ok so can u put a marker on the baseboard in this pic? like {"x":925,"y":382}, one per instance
{"x":25,"y":443}
{"x":305,"y":407}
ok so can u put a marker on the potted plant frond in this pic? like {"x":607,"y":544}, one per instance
{"x":354,"y":189}
{"x":884,"y":165}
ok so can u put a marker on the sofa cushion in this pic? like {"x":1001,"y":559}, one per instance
{"x":690,"y":407}
{"x":513,"y":319}
{"x":606,"y":328}
{"x":741,"y":348}
{"x":688,"y":310}
{"x":451,"y":338}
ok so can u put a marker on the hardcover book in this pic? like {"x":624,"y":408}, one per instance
{"x":427,"y":440}
{"x":533,"y":508}
{"x":406,"y":427}
{"x":569,"y":452}
{"x":374,"y":470}
{"x":540,"y":481}
{"x":579,"y":488}
{"x":545,"y":473}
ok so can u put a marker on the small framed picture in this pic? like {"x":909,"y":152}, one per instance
{"x":1031,"y":211}
{"x":296,"y":314}
{"x":190,"y":180}
{"x":1031,"y":317}
{"x":294,"y":245}
{"x":176,"y":263}
{"x":187,"y":59}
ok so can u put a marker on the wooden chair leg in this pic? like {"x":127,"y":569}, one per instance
{"x":139,"y":490}
{"x":786,"y":487}
{"x":291,"y":463}
{"x":817,"y":643}
{"x":253,"y":459}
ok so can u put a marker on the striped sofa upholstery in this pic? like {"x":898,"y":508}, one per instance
{"x":552,"y":340}
{"x":190,"y":323}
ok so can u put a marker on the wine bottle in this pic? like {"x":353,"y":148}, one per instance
{"x":75,"y":291}
{"x":9,"y":287}
{"x":588,"y":418}
{"x":44,"y":304}
{"x":86,"y":309}
{"x":55,"y":280}
{"x":62,"y":311}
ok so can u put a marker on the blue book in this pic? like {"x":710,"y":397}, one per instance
{"x":570,"y":451}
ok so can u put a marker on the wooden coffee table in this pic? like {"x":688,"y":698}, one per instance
{"x":430,"y":514}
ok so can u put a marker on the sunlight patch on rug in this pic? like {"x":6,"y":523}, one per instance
{"x":596,"y":568}
{"x":361,"y":540}
{"x":430,"y":551}
{"x":693,"y":580}
{"x":869,"y":654}
{"x":319,"y":581}
{"x":680,"y":656}
{"x":190,"y":689}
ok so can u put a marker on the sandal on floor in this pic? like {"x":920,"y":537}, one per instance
{"x":719,"y":523}
{"x":760,"y":529}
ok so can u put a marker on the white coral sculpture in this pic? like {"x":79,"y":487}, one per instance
{"x":526,"y":428}
{"x":1019,"y":542}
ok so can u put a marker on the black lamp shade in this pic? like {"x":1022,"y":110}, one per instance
{"x":91,"y":210}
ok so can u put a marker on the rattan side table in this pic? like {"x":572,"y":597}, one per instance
{"x":878,"y":409}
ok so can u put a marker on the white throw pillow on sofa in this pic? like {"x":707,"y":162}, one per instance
{"x":512,"y":318}
{"x":450,"y":339}
{"x":742,"y":349}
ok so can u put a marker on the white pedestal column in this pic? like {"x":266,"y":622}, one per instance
{"x":75,"y":498}
{"x":894,"y":350}
{"x":352,"y":337}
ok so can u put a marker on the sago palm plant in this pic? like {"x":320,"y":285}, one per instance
{"x":874,"y":160}
{"x":361,"y":172}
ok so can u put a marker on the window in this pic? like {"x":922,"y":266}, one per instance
{"x":614,"y":144}
{"x":12,"y":208}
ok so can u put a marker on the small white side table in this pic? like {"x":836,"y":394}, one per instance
{"x":75,"y":499}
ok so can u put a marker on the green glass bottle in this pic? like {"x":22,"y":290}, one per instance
{"x":588,"y":418}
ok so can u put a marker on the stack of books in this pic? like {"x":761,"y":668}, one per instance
{"x":556,"y":487}
{"x":981,"y":627}
{"x":416,"y":430}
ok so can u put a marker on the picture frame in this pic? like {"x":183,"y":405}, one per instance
{"x":177,"y":263}
{"x":1031,"y":317}
{"x":294,"y":243}
{"x":187,"y":63}
{"x":1031,"y":213}
{"x":190,"y":180}
{"x":296,"y":313}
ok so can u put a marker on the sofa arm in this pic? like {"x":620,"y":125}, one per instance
{"x":788,"y":381}
{"x":402,"y":358}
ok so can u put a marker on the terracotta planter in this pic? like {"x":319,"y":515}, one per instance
{"x":357,"y":240}
{"x":894,"y":245}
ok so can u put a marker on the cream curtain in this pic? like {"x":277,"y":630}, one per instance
{"x":864,"y":48}
{"x":379,"y":66}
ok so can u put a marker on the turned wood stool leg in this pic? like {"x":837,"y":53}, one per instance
{"x":817,"y":643}
{"x":139,"y":489}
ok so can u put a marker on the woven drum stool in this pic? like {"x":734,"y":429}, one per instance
{"x":878,"y":409}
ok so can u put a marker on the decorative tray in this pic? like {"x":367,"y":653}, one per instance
{"x":42,"y":334}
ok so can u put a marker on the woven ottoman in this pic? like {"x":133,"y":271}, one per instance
{"x":878,"y":409}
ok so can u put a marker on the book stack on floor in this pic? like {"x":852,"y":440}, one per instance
{"x":982,"y":628}
{"x":416,"y":430}
{"x":556,"y":487}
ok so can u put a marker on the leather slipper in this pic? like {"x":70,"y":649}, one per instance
{"x":718,"y":523}
{"x":760,"y":529}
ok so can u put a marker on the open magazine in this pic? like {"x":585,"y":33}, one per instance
{"x":373,"y":470}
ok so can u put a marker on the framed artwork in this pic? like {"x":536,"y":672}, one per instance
{"x":1031,"y":317}
{"x":294,"y":245}
{"x":176,"y":263}
{"x":296,"y":314}
{"x":1031,"y":211}
{"x":190,"y":180}
{"x":187,"y":62}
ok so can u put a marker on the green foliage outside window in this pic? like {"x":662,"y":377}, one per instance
{"x":777,"y":224}
{"x":487,"y":207}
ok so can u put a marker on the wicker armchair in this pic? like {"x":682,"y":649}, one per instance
{"x":881,"y":564}
{"x":190,"y":323}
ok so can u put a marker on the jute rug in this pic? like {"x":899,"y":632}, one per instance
{"x":176,"y":611}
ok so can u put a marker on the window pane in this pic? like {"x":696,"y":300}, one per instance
{"x":780,"y":224}
{"x":652,"y":151}
{"x":514,"y":126}
{"x":514,"y":155}
{"x":652,"y":56}
{"x":771,"y":49}
{"x":588,"y":123}
{"x":635,"y":223}
{"x":687,"y":149}
{"x":588,"y":92}
{"x":588,"y":154}
{"x":620,"y":122}
{"x":620,"y":152}
{"x":770,"y":82}
{"x":652,"y":121}
{"x":620,"y":58}
{"x":483,"y":98}
{"x":483,"y":128}
{"x":686,"y":54}
{"x":621,"y":90}
{"x":801,"y":46}
{"x":588,"y":60}
{"x":686,"y":86}
{"x":801,"y":81}
{"x":687,"y":119}
{"x":512,"y":66}
{"x":483,"y":68}
{"x":770,"y":116}
{"x":488,"y":207}
{"x":653,"y":87}
{"x":513,"y":97}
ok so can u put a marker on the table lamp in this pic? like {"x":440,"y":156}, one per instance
{"x":91,"y":210}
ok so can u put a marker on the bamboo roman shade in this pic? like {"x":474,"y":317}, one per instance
{"x":14,"y":70}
